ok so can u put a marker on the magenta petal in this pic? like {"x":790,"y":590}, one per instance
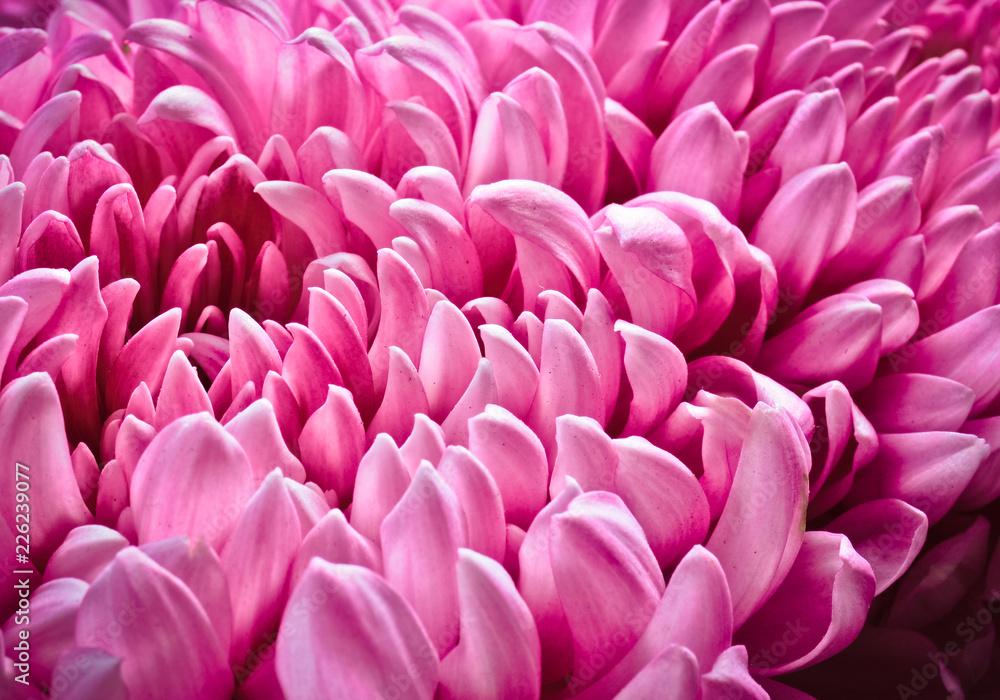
{"x":985,"y":486}
{"x":308,"y":369}
{"x":838,"y":337}
{"x":191,"y":473}
{"x":382,"y":480}
{"x":454,"y":264}
{"x":765,"y":511}
{"x":332,"y":323}
{"x":333,"y":464}
{"x":971,"y":283}
{"x":50,"y":240}
{"x":309,"y":210}
{"x":426,"y":441}
{"x":153,"y":665}
{"x":664,"y":496}
{"x":420,"y":540}
{"x":730,"y":677}
{"x":144,"y":358}
{"x":927,"y":470}
{"x":900,"y":317}
{"x":814,"y":135}
{"x":822,"y":199}
{"x":515,"y":458}
{"x":537,"y":587}
{"x":675,"y":668}
{"x":965,"y":352}
{"x":32,"y":433}
{"x":818,"y":609}
{"x":481,"y":392}
{"x":257,"y":558}
{"x":726,"y":81}
{"x":379,"y":642}
{"x":498,"y":653}
{"x":545,"y":217}
{"x":910,"y":403}
{"x":941,"y":578}
{"x":888,"y":533}
{"x":701,"y":134}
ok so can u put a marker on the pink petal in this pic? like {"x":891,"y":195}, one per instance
{"x":256,"y":429}
{"x":404,"y":316}
{"x":657,"y":373}
{"x":426,"y":441}
{"x":900,"y":317}
{"x":564,"y":354}
{"x":701,"y":134}
{"x":726,"y":81}
{"x":252,"y":353}
{"x":256,"y":559}
{"x":44,"y":291}
{"x":100,"y":676}
{"x":52,"y":622}
{"x":50,"y":240}
{"x":420,"y":540}
{"x":481,"y":393}
{"x":451,"y":255}
{"x":199,"y":568}
{"x":364,"y":201}
{"x":515,"y":458}
{"x":153,"y":665}
{"x":818,"y":609}
{"x":765,"y":511}
{"x":380,"y":639}
{"x":971,"y":283}
{"x":675,"y":668}
{"x":514,"y":371}
{"x":537,"y":587}
{"x":32,"y":433}
{"x":449,"y":358}
{"x":84,"y":553}
{"x":333,"y":464}
{"x":539,"y":95}
{"x":814,"y":135}
{"x":40,"y":126}
{"x":506,"y":145}
{"x":821,"y":198}
{"x":192,"y":455}
{"x":664,"y":496}
{"x":498,"y":653}
{"x":404,"y":398}
{"x":181,"y":393}
{"x":382,"y":480}
{"x":333,"y":325}
{"x":946,"y":234}
{"x":927,"y":470}
{"x":308,"y":209}
{"x":888,"y":533}
{"x":598,"y":541}
{"x":585,"y":453}
{"x":695,"y":612}
{"x":543,"y":216}
{"x":984,"y":487}
{"x":308,"y":369}
{"x":333,"y":540}
{"x":481,"y":501}
{"x":412,"y":136}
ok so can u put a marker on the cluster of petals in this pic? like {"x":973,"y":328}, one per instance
{"x":500,"y":349}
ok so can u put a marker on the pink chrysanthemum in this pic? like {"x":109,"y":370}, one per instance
{"x":499,"y":349}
